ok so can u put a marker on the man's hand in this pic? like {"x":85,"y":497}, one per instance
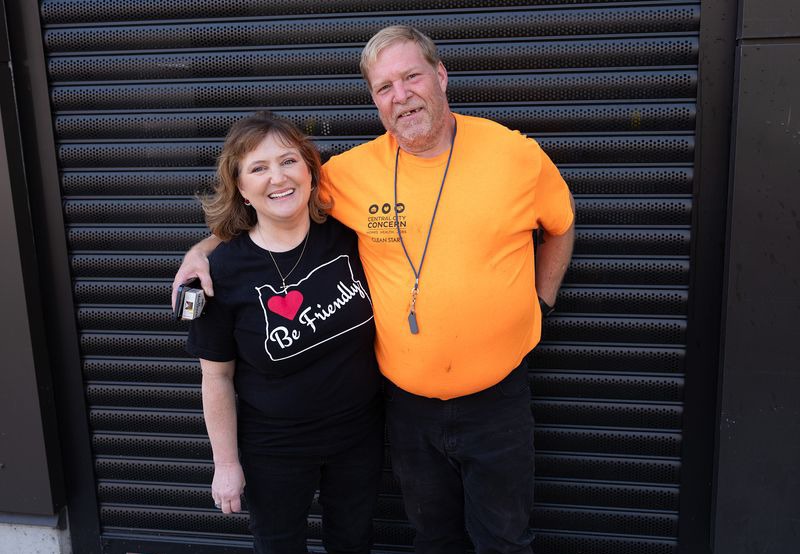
{"x":195,"y":265}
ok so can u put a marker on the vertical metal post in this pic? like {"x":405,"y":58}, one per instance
{"x":716,"y":68}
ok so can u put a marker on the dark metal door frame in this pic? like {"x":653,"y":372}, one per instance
{"x":38,"y":144}
{"x":31,"y":481}
{"x":715,"y":98}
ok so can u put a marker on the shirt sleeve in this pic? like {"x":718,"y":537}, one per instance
{"x":211,"y":336}
{"x":327,"y":191}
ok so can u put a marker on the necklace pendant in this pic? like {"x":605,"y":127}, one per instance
{"x":412,"y":323}
{"x":412,"y":312}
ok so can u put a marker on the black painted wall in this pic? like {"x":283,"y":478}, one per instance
{"x":758,"y":483}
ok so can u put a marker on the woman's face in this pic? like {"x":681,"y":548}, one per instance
{"x":277,"y":182}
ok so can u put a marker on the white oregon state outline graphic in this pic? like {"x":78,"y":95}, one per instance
{"x":275,"y":292}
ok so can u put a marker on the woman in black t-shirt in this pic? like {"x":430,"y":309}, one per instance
{"x":290,"y":383}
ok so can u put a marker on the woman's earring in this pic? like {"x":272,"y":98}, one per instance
{"x":246,"y":202}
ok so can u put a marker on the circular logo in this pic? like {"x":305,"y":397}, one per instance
{"x":386,"y":208}
{"x":400,"y":207}
{"x":373,"y":209}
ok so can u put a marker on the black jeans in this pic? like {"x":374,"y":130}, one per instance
{"x":280,"y":490}
{"x":466,"y":463}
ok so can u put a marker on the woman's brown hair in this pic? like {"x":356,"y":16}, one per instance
{"x":226,"y":213}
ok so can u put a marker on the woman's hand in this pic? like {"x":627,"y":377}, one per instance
{"x":228,"y":486}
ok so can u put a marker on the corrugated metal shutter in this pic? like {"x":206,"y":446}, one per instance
{"x":142,"y":93}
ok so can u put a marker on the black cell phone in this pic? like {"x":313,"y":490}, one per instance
{"x":189,"y":301}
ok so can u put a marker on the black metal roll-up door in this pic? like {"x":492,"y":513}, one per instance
{"x":142,"y":94}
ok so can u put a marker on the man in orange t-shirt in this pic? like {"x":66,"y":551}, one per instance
{"x":475,"y":306}
{"x":445,"y":206}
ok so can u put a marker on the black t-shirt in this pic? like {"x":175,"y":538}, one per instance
{"x":306,"y":376}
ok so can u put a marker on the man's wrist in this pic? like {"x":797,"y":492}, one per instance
{"x":546,"y":308}
{"x":202,"y":249}
{"x":206,"y":246}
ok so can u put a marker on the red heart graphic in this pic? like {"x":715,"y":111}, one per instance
{"x":286,"y":306}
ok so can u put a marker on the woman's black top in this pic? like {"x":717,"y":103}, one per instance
{"x":306,"y":376}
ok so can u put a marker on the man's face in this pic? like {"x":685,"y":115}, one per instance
{"x":411,"y":100}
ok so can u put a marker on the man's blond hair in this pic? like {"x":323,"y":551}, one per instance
{"x":389,"y":36}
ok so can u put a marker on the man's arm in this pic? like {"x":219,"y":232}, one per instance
{"x":195,"y":264}
{"x":552,"y":260}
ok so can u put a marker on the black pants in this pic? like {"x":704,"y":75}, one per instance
{"x":280,"y":490}
{"x":466,"y":462}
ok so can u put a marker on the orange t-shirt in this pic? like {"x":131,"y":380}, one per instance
{"x":477,"y":310}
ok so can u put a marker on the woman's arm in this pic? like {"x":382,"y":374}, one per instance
{"x":219,"y":410}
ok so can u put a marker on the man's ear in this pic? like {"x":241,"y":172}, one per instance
{"x":441,"y":74}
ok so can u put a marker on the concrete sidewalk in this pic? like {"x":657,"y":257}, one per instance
{"x":33,"y":539}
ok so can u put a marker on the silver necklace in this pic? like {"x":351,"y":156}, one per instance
{"x":271,"y":257}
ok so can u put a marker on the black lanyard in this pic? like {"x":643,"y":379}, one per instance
{"x":412,"y":314}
